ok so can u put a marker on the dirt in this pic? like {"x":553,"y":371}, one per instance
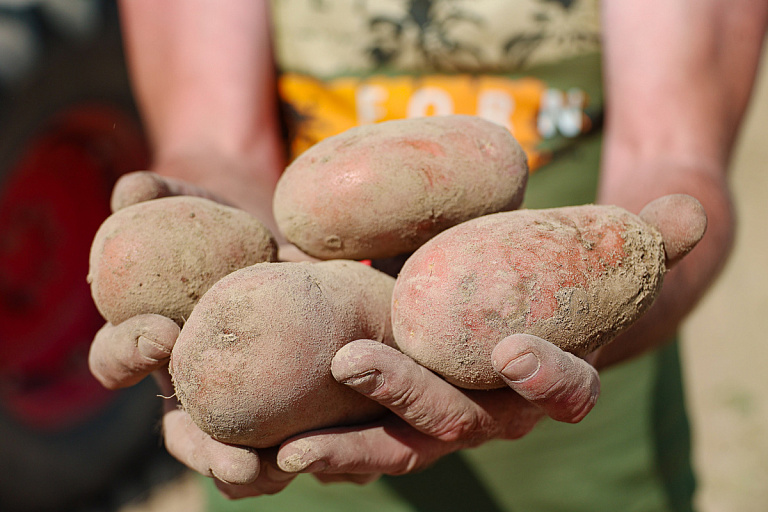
{"x":574,"y":276}
{"x":258,"y":348}
{"x":416,"y":177}
{"x":161,"y":256}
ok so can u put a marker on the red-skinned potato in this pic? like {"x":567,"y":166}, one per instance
{"x":252,"y":365}
{"x":575,"y":276}
{"x":160,"y":256}
{"x":381,"y":190}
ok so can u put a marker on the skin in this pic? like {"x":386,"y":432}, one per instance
{"x":691,"y":63}
{"x":704,"y":76}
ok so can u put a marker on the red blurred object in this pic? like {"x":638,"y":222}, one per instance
{"x":51,"y":204}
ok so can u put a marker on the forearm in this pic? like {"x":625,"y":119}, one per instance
{"x":203,"y":76}
{"x":676,"y":96}
{"x":690,"y":278}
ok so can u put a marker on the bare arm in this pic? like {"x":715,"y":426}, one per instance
{"x":204,"y":80}
{"x":678,"y":80}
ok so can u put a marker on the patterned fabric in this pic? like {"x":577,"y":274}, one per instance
{"x":530,"y":65}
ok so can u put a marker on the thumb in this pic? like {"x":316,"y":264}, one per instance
{"x":140,"y":186}
{"x":680,"y":219}
{"x":564,"y":386}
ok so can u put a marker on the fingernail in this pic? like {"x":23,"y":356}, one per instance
{"x":151,"y":349}
{"x":296,"y":464}
{"x":522,"y":368}
{"x":366,"y":382}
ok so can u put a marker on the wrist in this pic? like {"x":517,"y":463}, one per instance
{"x":633,"y":176}
{"x":243,"y":179}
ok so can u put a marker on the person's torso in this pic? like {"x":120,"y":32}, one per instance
{"x":530,"y":65}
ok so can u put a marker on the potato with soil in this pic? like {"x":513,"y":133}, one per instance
{"x":252,"y":365}
{"x":574,"y":276}
{"x":160,"y":256}
{"x":381,"y":190}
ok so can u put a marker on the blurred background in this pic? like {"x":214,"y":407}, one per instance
{"x":68,"y":129}
{"x":726,"y":341}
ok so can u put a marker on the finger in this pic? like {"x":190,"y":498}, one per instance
{"x":140,"y":186}
{"x":390,"y":447}
{"x":197,"y":450}
{"x":252,"y":490}
{"x":122,"y":355}
{"x":420,"y":397}
{"x":289,"y":252}
{"x":562,"y":385}
{"x":680,"y":219}
{"x":271,"y":480}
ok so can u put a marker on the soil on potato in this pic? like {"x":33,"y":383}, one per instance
{"x":252,"y":365}
{"x":574,"y":276}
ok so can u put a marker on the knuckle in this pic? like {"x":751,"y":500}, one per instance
{"x":522,"y":424}
{"x":465,"y":427}
{"x":582,"y":405}
{"x":396,"y":397}
{"x":564,"y":392}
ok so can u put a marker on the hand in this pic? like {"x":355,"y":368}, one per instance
{"x":229,"y":181}
{"x":431,"y":418}
{"x":122,"y":355}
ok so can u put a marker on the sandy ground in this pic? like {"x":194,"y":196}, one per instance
{"x":726,"y":343}
{"x":725,"y":352}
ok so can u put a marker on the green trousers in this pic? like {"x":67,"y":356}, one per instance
{"x":631,"y":453}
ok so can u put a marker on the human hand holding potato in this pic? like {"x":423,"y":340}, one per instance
{"x":123,"y":354}
{"x":438,"y":417}
{"x":428,"y":417}
{"x":427,"y":150}
{"x":151,"y":261}
{"x":432,"y":418}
